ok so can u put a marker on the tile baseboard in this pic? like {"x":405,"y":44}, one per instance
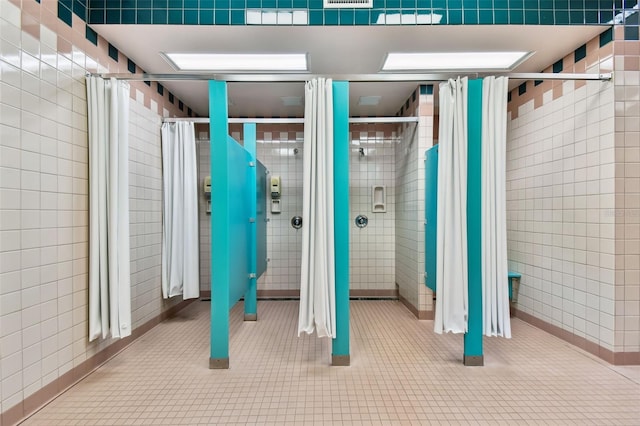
{"x":50,"y":391}
{"x":615,"y":358}
{"x":421,"y":315}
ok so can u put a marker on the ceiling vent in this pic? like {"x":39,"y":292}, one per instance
{"x":340,"y":4}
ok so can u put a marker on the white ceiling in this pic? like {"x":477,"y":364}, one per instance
{"x":331,"y":51}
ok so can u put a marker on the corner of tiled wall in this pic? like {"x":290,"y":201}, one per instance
{"x":44,"y":200}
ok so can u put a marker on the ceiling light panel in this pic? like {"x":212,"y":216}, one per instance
{"x":238,"y":62}
{"x":454,"y":61}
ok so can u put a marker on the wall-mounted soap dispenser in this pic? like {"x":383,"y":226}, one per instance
{"x":276,"y":193}
{"x":207,"y":193}
{"x":379,"y":199}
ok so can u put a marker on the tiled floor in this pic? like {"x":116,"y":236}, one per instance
{"x":401,"y":373}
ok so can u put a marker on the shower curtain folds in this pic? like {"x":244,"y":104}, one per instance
{"x":109,"y":273}
{"x":317,"y":283}
{"x":451,"y":313}
{"x":180,"y":247}
{"x":495,"y":270}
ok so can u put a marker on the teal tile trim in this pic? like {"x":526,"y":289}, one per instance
{"x":558,"y":66}
{"x":91,"y":35}
{"x":580,"y":53}
{"x":384,"y":12}
{"x":113,"y":52}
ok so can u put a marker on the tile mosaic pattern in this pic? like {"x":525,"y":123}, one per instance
{"x":384,"y":12}
{"x":44,"y":197}
{"x":574,"y":197}
{"x":400,"y":373}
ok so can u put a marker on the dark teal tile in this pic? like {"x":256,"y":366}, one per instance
{"x":455,"y":17}
{"x":254,"y":4}
{"x":190,"y":17}
{"x":362,"y":17}
{"x":113,"y":52}
{"x":91,"y":35}
{"x":576,"y":4}
{"x":501,"y":17}
{"x":470,"y":4}
{"x":285,"y":4}
{"x":537,"y":82}
{"x":516,"y":4}
{"x":174,"y":16}
{"x":509,"y":96}
{"x":269,"y":4}
{"x":408,"y":4}
{"x":516,"y":17}
{"x":131,"y":66}
{"x":160,"y":16}
{"x":113,"y":16}
{"x":300,"y":4}
{"x":454,"y":4}
{"x":237,"y":4}
{"x":531,"y":17}
{"x":500,"y":4}
{"x":470,"y":16}
{"x":631,"y":33}
{"x":423,"y":4}
{"x":485,"y":17}
{"x":148,"y":83}
{"x":222,"y":17}
{"x":346,"y":17}
{"x":606,"y":37}
{"x":206,"y":17}
{"x":331,"y":17}
{"x":546,"y":4}
{"x":160,"y":4}
{"x":189,"y":112}
{"x":144,"y":16}
{"x":606,"y":16}
{"x":317,"y":4}
{"x":80,"y":9}
{"x":576,"y":17}
{"x":175,"y":4}
{"x":160,"y":89}
{"x":144,"y":4}
{"x":191,"y":4}
{"x":220,"y":4}
{"x":392,"y":4}
{"x":375,"y":15}
{"x":97,"y":4}
{"x":522,"y":89}
{"x":65,"y":15}
{"x":171,"y":97}
{"x":591,"y":16}
{"x":546,"y":17}
{"x":580,"y":53}
{"x":561,"y":4}
{"x":558,"y":66}
{"x":238,"y":17}
{"x":181,"y":105}
{"x":96,"y":16}
{"x":561,"y":17}
{"x":377,"y":4}
{"x":66,"y":3}
{"x":316,"y":17}
{"x":128,"y":16}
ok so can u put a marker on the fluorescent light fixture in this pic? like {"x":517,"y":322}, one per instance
{"x":238,"y":61}
{"x":369,"y":100}
{"x":454,"y":61}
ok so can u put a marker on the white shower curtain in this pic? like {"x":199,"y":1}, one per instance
{"x":495,"y":289}
{"x":109,"y":276}
{"x":180,"y":248}
{"x":451,"y":268}
{"x":317,"y":281}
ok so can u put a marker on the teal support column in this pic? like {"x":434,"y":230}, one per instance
{"x":473,"y":354}
{"x":340,"y":348}
{"x":251,"y":296}
{"x":220,"y":251}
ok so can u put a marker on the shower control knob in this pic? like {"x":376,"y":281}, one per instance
{"x":361,"y":221}
{"x":296,"y":222}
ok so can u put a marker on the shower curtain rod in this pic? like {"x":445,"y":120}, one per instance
{"x":368,"y":120}
{"x":356,"y":78}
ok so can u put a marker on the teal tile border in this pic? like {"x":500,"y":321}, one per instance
{"x":384,"y":12}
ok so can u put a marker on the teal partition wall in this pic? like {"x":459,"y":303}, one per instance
{"x":251,"y":296}
{"x":230,"y":223}
{"x":473,"y":354}
{"x":340,"y":346}
{"x":431,"y":215}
